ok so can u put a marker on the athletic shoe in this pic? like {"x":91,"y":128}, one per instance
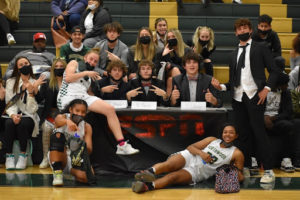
{"x":22,"y":161}
{"x":145,"y":176}
{"x":126,"y":149}
{"x":237,"y":1}
{"x":297,"y":165}
{"x":286,"y":165}
{"x":254,"y":169}
{"x":58,"y":178}
{"x":10,"y":39}
{"x":45,"y":163}
{"x":268,"y":177}
{"x":139,"y":187}
{"x":10,"y":162}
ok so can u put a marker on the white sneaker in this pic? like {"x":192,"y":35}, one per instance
{"x":58,"y":178}
{"x":237,"y":1}
{"x":22,"y":161}
{"x":45,"y":163}
{"x":10,"y":39}
{"x":254,"y":169}
{"x":268,"y":177}
{"x":126,"y":149}
{"x":10,"y":162}
{"x":286,"y":165}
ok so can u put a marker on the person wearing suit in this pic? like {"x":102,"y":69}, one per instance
{"x":194,"y":86}
{"x":113,"y":87}
{"x":145,"y":87}
{"x":249,"y":89}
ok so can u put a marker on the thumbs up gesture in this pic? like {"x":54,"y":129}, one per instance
{"x":209,"y":97}
{"x":175,"y":95}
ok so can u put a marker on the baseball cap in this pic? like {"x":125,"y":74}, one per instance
{"x":39,"y":36}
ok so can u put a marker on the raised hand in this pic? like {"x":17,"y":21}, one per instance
{"x":216,"y":83}
{"x":109,"y":89}
{"x":71,"y":125}
{"x":111,"y":56}
{"x":175,"y":95}
{"x":209,"y":97}
{"x":158,"y":91}
{"x":93,"y":75}
{"x":167,"y":50}
{"x":133,"y":93}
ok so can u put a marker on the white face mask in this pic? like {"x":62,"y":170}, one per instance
{"x":92,"y":6}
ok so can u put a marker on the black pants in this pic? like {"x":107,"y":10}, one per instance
{"x":4,"y":24}
{"x":249,"y":118}
{"x":21,"y":131}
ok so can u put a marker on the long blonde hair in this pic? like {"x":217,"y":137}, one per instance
{"x":180,"y":43}
{"x":196,"y":36}
{"x":11,"y":9}
{"x":53,"y":81}
{"x":138,"y":49}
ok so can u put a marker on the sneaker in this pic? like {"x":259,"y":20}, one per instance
{"x":268,"y":177}
{"x":10,"y":39}
{"x":254,"y":169}
{"x":145,"y":176}
{"x":10,"y":162}
{"x":58,"y":178}
{"x":286,"y":165}
{"x":126,"y":149}
{"x":297,"y":165}
{"x":237,"y":1}
{"x":139,"y":187}
{"x":22,"y":161}
{"x":45,"y":163}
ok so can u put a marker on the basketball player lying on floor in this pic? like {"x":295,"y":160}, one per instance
{"x":71,"y":144}
{"x":194,"y":164}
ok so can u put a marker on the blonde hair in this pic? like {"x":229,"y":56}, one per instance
{"x":138,"y":49}
{"x":180,"y":43}
{"x":157,"y":20}
{"x":53,"y":82}
{"x":11,"y":9}
{"x":196,"y":36}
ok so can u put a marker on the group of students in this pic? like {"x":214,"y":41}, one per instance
{"x":159,"y":67}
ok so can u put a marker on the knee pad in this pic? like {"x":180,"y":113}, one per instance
{"x":57,"y":143}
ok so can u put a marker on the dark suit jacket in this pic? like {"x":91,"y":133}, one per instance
{"x":260,"y":58}
{"x":203,"y":83}
{"x":285,"y":111}
{"x":151,"y":96}
{"x":119,"y":94}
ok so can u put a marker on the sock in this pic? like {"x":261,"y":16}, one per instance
{"x":150,"y":185}
{"x":152,"y":170}
{"x":56,"y":166}
{"x":121,"y":142}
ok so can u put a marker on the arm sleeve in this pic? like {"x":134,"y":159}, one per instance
{"x":55,"y":9}
{"x":78,"y":7}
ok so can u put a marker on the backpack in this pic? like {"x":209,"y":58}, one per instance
{"x":227,"y":179}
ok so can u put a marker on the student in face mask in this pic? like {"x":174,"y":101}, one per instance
{"x":112,"y":48}
{"x":49,"y":92}
{"x":21,"y":108}
{"x":92,"y":22}
{"x":172,"y":55}
{"x":204,"y":44}
{"x":144,"y":48}
{"x":265,"y":34}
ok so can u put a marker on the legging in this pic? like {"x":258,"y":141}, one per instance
{"x":4,"y":24}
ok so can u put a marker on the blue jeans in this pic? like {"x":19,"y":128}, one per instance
{"x":70,"y":20}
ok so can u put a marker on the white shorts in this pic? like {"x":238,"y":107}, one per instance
{"x":64,"y":101}
{"x":193,"y":165}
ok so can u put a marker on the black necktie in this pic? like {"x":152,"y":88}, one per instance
{"x":240,"y":65}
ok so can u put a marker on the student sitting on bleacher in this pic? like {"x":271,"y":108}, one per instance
{"x":113,"y":87}
{"x":204,"y":44}
{"x":39,"y":57}
{"x":194,"y":86}
{"x":159,"y":35}
{"x":23,"y":120}
{"x":145,"y":87}
{"x":295,"y":52}
{"x":2,"y":97}
{"x":67,"y":12}
{"x":112,"y":48}
{"x":172,"y":55}
{"x":49,"y":93}
{"x":144,"y":48}
{"x":74,"y":50}
{"x":92,"y":22}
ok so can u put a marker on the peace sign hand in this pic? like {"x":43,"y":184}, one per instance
{"x":133,"y":93}
{"x":158,"y":91}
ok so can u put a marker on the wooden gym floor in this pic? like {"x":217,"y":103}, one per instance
{"x":34,"y":183}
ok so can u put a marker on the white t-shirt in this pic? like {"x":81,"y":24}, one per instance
{"x":88,"y":22}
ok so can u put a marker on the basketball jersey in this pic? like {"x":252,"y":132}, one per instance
{"x":79,"y":133}
{"x":220,"y":156}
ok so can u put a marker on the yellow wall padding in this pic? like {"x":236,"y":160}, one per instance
{"x":286,"y":55}
{"x":167,"y":10}
{"x":286,"y":39}
{"x":274,"y":10}
{"x":282,"y":25}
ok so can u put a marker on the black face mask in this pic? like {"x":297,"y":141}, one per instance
{"x":227,"y":145}
{"x":111,"y":41}
{"x":264,"y":32}
{"x":172,"y":42}
{"x":203,"y":42}
{"x":76,"y":118}
{"x":59,"y":72}
{"x":244,"y":37}
{"x":89,"y":67}
{"x":25,"y":70}
{"x":114,"y":80}
{"x":145,"y":39}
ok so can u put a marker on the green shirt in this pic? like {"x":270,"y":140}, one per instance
{"x":68,"y":54}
